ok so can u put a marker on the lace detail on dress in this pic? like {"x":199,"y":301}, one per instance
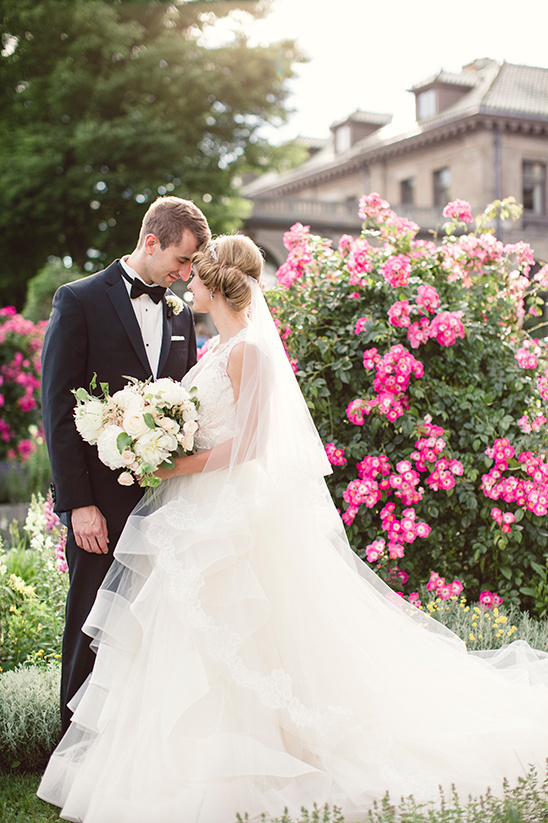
{"x":222,"y":643}
{"x":214,"y":390}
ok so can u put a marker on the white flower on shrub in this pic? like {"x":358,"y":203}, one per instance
{"x":89,"y":419}
{"x":107,"y":448}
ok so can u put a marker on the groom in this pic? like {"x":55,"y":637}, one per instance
{"x":116,"y":323}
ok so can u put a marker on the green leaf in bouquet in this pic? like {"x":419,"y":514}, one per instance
{"x":123,"y":441}
{"x":169,"y":463}
{"x":80,"y":394}
{"x":149,"y":420}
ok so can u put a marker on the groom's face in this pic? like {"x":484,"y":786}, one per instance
{"x":165,"y":266}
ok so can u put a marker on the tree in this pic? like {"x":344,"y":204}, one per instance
{"x":106,"y":104}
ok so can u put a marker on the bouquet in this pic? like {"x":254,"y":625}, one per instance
{"x":140,"y":428}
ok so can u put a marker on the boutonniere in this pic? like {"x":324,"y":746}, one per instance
{"x":174,"y":303}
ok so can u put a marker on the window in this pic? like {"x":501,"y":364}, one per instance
{"x":407,"y":191}
{"x":534,"y":187}
{"x":343,"y":139}
{"x":442,"y":186}
{"x":426,"y":104}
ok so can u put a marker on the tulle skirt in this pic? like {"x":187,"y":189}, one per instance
{"x":247,"y":662}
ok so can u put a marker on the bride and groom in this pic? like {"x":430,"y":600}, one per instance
{"x":246,"y":660}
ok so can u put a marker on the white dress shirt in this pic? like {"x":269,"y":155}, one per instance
{"x":150,"y":318}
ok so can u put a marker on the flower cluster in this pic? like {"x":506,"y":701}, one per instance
{"x":458,"y":211}
{"x":393,"y":372}
{"x":531,"y":493}
{"x":397,"y":270}
{"x":299,"y":258}
{"x":503,"y":519}
{"x":442,"y":589}
{"x":138,"y":428}
{"x":20,"y":347}
{"x":334,"y":455}
{"x":489,"y":600}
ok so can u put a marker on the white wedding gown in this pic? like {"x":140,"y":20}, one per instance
{"x":244,"y":664}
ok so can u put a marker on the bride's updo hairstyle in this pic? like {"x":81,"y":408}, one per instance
{"x":226,"y":264}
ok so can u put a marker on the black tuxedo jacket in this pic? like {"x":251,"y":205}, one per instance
{"x":93,"y":329}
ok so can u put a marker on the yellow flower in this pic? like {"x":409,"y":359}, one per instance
{"x":471,"y":636}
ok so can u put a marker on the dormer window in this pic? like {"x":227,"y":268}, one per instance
{"x":426,"y":104}
{"x":343,"y":138}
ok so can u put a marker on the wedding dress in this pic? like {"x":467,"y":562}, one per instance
{"x":248,"y":661}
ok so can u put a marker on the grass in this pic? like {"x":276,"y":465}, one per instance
{"x":18,"y":801}
{"x":527,"y":802}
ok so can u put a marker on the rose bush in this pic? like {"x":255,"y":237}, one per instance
{"x":20,"y":346}
{"x":429,"y":395}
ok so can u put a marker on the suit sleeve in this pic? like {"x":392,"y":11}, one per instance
{"x":64,"y":357}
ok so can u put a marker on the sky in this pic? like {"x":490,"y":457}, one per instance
{"x":365,"y":53}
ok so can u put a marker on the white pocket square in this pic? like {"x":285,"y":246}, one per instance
{"x":178,"y":337}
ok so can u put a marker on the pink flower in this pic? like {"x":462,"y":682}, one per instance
{"x":396,"y":270}
{"x":427,"y":299}
{"x":419,"y":332}
{"x":459,"y":211}
{"x":361,"y":323}
{"x":446,"y":327}
{"x":334,"y":455}
{"x":373,"y":206}
{"x":398,"y":314}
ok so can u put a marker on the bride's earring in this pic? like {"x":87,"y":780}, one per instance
{"x":211,"y":294}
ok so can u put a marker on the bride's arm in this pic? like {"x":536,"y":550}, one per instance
{"x":193,"y":463}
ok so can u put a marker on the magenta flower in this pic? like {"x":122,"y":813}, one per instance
{"x":396,"y":270}
{"x":334,"y":455}
{"x":458,"y":210}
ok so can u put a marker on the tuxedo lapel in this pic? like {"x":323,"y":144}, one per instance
{"x":166,"y":336}
{"x":119,"y":298}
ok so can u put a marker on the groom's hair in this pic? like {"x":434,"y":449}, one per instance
{"x":168,"y":216}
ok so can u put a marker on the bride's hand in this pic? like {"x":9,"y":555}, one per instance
{"x":176,"y":471}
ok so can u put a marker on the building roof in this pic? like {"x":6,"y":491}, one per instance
{"x":466,"y":79}
{"x":371,"y":118}
{"x":505,"y":91}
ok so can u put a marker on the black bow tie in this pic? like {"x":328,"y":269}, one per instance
{"x":138,"y":288}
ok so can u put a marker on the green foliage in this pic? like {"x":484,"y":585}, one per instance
{"x":42,"y":287}
{"x":30,"y":725}
{"x":33,"y":588}
{"x":19,"y":480}
{"x":474,"y":388}
{"x":105,"y":105}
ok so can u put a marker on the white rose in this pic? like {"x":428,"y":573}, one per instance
{"x":128,"y":457}
{"x":108,"y":451}
{"x":89,"y":420}
{"x":134,"y":423}
{"x":190,"y":427}
{"x":169,"y":425}
{"x":168,"y":392}
{"x":154,"y":447}
{"x":126,"y":479}
{"x":187,"y":442}
{"x":128,"y":398}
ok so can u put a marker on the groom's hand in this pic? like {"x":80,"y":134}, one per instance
{"x":90,"y":529}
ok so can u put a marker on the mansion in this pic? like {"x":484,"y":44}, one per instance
{"x":480,"y":136}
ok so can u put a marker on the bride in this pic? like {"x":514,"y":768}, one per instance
{"x":247,"y":660}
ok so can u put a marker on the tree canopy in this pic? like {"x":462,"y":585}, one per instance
{"x":105,"y":104}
